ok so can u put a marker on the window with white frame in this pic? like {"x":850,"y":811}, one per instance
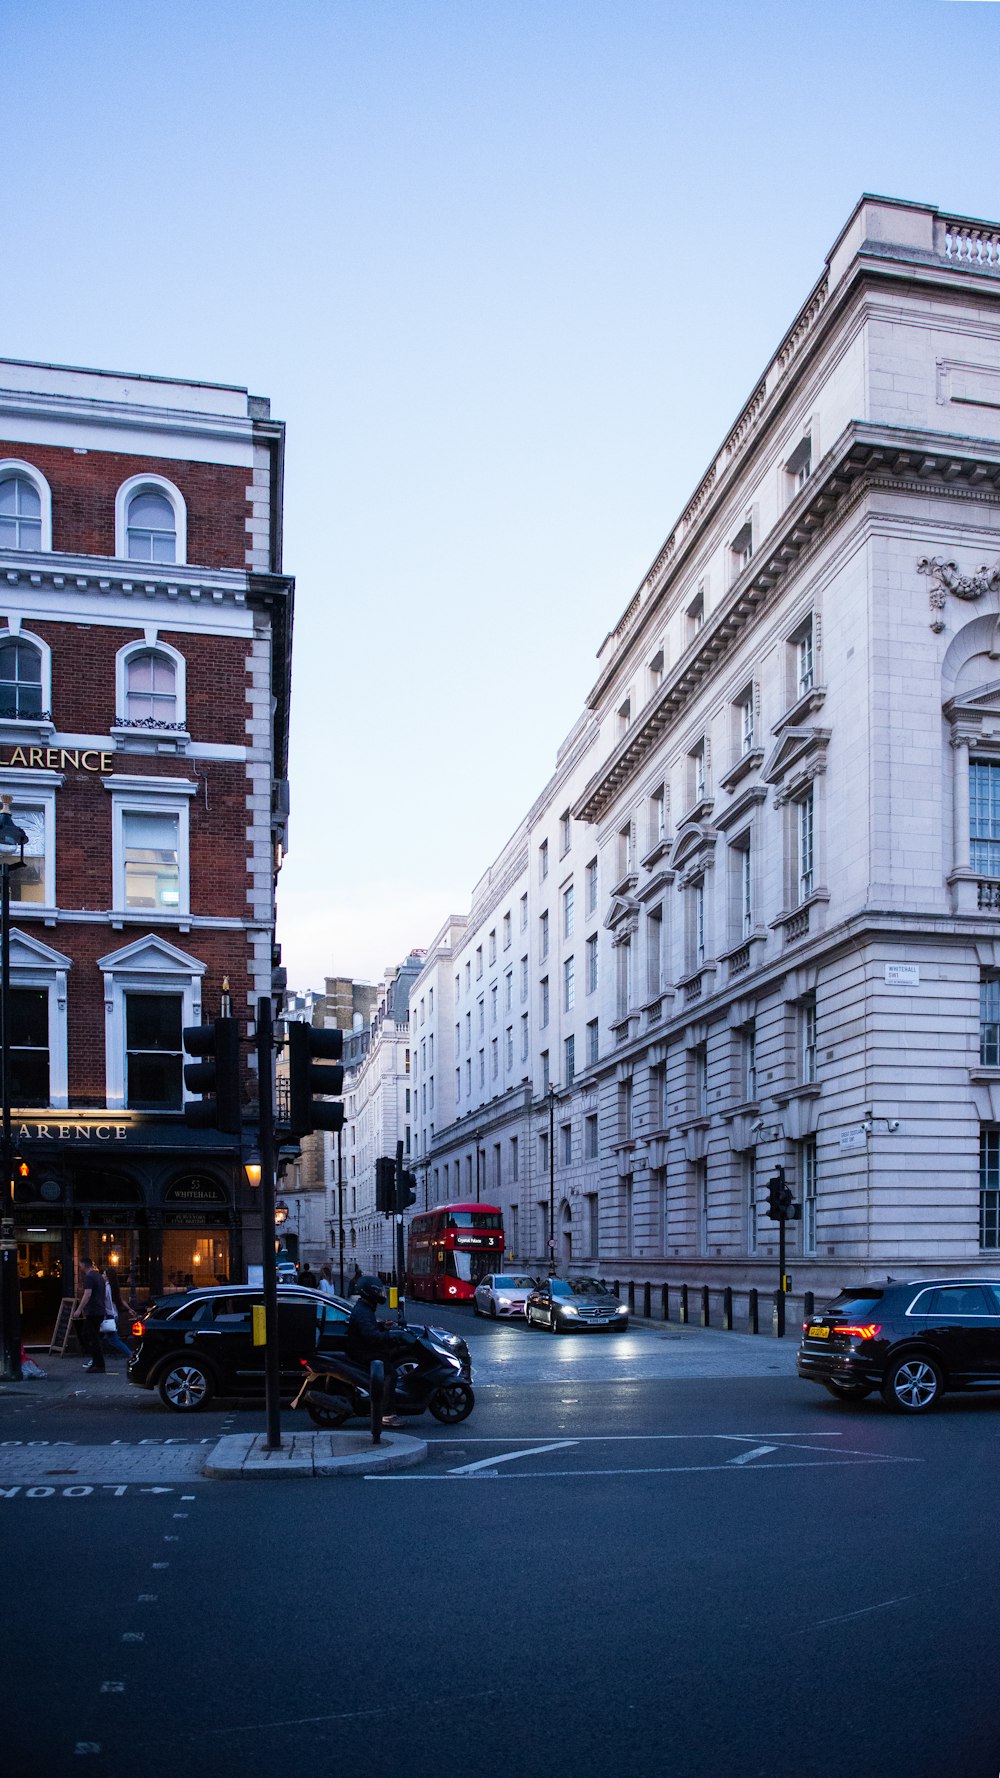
{"x":150,"y":520}
{"x":799,"y":466}
{"x":590,"y":1136}
{"x":150,"y":682}
{"x":508,"y":990}
{"x":804,"y":844}
{"x":494,"y":1057}
{"x":479,"y":961}
{"x":35,"y":816}
{"x":543,"y":1002}
{"x":695,"y":613}
{"x":654,"y":952}
{"x":506,"y":932}
{"x":38,"y":1033}
{"x":624,"y":718}
{"x":658,"y":816}
{"x":493,"y":946}
{"x":569,"y":1061}
{"x":569,"y":985}
{"x":802,"y":646}
{"x":543,"y":935}
{"x":654,"y":672}
{"x":743,"y":709}
{"x":741,"y":548}
{"x":740,"y":888}
{"x":22,"y":679}
{"x":509,"y":1048}
{"x":625,"y":1109}
{"x":698,"y":772}
{"x":544,"y":1060}
{"x":568,"y":910}
{"x":565,"y":826}
{"x":593,"y":1042}
{"x":29,"y":1046}
{"x":152,"y":990}
{"x":481,"y":1004}
{"x":524,"y":978}
{"x":751,"y":1199}
{"x":150,"y":851}
{"x":523,"y":904}
{"x":626,"y":851}
{"x":543,"y":861}
{"x":493,"y":1004}
{"x":696,"y":924}
{"x":989,"y":1021}
{"x":984,"y":817}
{"x":25,"y":507}
{"x":699,"y":1079}
{"x":748,"y":1046}
{"x":807,"y":1040}
{"x":524,"y":1037}
{"x":591,"y":964}
{"x":807,"y":1161}
{"x":566,"y":1144}
{"x":624,"y":1000}
{"x":591,"y":884}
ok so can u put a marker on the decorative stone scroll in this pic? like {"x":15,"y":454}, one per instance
{"x":945,"y":578}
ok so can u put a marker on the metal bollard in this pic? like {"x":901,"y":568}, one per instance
{"x":808,"y":1306}
{"x":665,"y":1301}
{"x":753,"y":1323}
{"x":705,"y":1307}
{"x":631,"y":1296}
{"x":727,"y":1308}
{"x":376,"y":1395}
{"x":778,"y":1315}
{"x":684,"y":1305}
{"x":616,"y":1287}
{"x":647,"y":1299}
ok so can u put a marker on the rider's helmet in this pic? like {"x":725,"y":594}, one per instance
{"x":372,"y":1291}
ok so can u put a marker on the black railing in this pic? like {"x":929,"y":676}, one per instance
{"x":712,"y":1305}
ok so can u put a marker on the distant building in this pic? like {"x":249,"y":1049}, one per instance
{"x":753,"y":918}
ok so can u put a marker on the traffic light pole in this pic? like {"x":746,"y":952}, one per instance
{"x":780,"y":1298}
{"x":340,"y":1207}
{"x":265,"y":1102}
{"x":398,"y":1219}
{"x":10,"y":1290}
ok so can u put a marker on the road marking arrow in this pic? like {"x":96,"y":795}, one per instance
{"x":748,"y":1456}
{"x":511,"y":1457}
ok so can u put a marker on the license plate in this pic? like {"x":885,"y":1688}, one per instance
{"x":819,"y":1333}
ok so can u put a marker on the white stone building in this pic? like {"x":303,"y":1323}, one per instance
{"x":378,"y":1097}
{"x":754,"y":918}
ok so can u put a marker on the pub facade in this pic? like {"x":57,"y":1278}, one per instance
{"x":145,"y":641}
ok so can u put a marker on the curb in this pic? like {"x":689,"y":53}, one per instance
{"x":245,"y":1456}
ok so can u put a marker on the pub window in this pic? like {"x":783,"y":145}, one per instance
{"x":28,"y":885}
{"x":153,"y":1054}
{"x":29,"y":1046}
{"x":20,"y":680}
{"x":151,"y":690}
{"x":152,"y":863}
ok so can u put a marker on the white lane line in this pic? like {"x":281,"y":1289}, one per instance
{"x":567,"y":1475}
{"x":625,"y":1438}
{"x":845,"y":1616}
{"x":512,"y":1457}
{"x":748,"y":1456}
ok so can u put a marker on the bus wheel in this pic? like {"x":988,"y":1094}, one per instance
{"x":452,"y":1402}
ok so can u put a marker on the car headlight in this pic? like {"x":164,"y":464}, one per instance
{"x":565,"y":1309}
{"x":504,"y":1302}
{"x":622,"y":1309}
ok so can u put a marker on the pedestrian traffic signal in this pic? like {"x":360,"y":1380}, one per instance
{"x":215,"y":1076}
{"x":309,"y":1046}
{"x":776,"y":1189}
{"x":407,"y":1193}
{"x":385,"y":1186}
{"x":21,"y":1179}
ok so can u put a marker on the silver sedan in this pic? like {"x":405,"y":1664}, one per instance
{"x":502,"y":1293}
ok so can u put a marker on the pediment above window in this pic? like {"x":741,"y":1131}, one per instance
{"x":742,"y":805}
{"x":30,"y":953}
{"x":694,"y":851}
{"x":659,"y":881}
{"x":623,"y":913}
{"x":979,"y":711}
{"x":151,"y":956}
{"x":799,"y":755}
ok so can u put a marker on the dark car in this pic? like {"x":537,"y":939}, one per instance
{"x":564,"y":1303}
{"x":197,"y":1344}
{"x":911,"y":1341}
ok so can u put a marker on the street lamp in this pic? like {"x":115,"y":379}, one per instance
{"x":12,"y":844}
{"x":552,"y":1180}
{"x":280,"y":1214}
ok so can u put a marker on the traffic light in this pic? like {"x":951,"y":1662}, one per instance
{"x":308,"y":1047}
{"x":385,"y":1186}
{"x":407,"y":1191}
{"x":216,"y":1076}
{"x":776,"y":1192}
{"x":21,"y":1179}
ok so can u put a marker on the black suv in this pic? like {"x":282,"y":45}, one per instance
{"x":199,"y":1343}
{"x":911,"y":1341}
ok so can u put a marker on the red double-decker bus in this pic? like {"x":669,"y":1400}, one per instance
{"x":451,"y":1248}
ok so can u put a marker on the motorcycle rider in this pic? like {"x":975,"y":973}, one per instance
{"x":368,"y":1339}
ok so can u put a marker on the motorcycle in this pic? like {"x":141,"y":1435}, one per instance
{"x":428,"y":1378}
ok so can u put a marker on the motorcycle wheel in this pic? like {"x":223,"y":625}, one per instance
{"x":452,"y":1402}
{"x":333,"y":1412}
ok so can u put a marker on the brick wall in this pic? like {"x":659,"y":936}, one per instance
{"x":83,"y":678}
{"x":84,"y":485}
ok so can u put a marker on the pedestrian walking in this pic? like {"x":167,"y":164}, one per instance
{"x":90,"y":1314}
{"x":355,"y":1280}
{"x":308,"y":1277}
{"x":110,"y":1336}
{"x":326,"y":1280}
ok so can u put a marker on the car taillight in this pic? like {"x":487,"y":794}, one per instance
{"x":870,"y":1331}
{"x":138,"y":1329}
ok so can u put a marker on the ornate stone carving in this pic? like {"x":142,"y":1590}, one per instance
{"x":945,"y":578}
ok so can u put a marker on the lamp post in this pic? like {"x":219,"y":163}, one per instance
{"x":552,"y":1180}
{"x":478,"y":1135}
{"x":12,"y":843}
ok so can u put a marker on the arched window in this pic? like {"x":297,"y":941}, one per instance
{"x":151,"y":528}
{"x":20,"y":514}
{"x":150,"y":688}
{"x":20,"y":679}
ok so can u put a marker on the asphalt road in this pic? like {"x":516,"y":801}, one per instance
{"x":701,"y":1576}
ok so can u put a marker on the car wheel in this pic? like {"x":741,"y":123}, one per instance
{"x":452,"y":1402}
{"x":186,"y":1385}
{"x":847,"y":1391}
{"x":913,"y":1384}
{"x":493,"y":1310}
{"x":475,"y":1307}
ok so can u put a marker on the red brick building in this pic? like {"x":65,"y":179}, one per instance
{"x":145,"y":649}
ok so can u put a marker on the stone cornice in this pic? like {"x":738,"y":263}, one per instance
{"x":110,"y":575}
{"x":865,"y":457}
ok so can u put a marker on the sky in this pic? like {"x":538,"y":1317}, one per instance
{"x":508,"y":272}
